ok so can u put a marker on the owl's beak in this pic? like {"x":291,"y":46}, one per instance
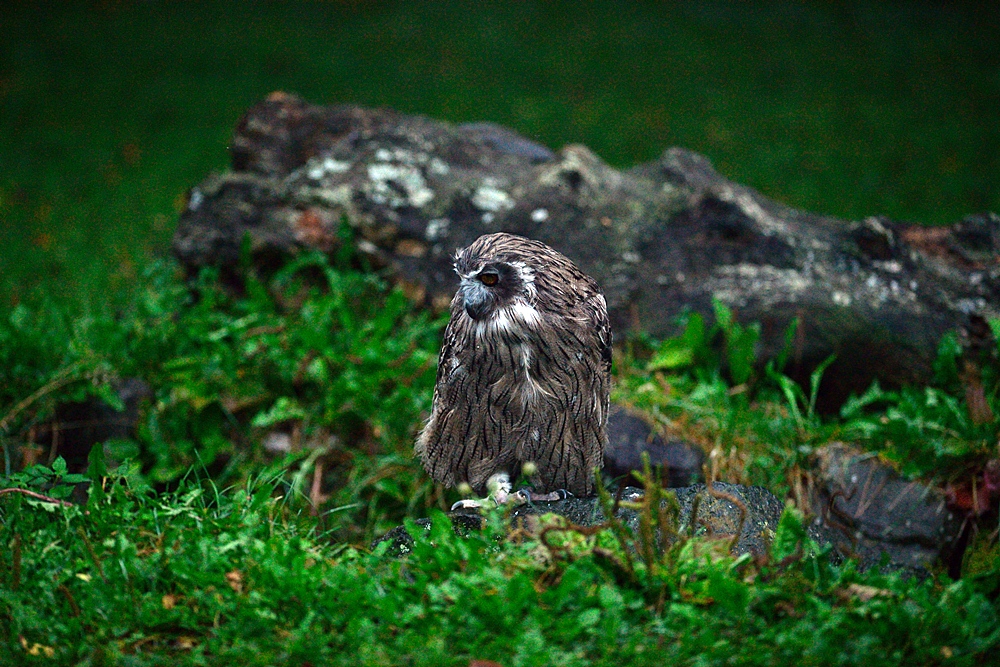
{"x":475,"y":299}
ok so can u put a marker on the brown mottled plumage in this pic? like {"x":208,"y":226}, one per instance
{"x":524,"y":372}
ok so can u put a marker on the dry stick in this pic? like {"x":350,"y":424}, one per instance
{"x":398,"y":361}
{"x":610,"y":508}
{"x":69,"y":598}
{"x":646,"y":528}
{"x":300,"y":370}
{"x":15,"y":566}
{"x":316,"y":497}
{"x":37,"y":496}
{"x":844,"y":528}
{"x":93,"y":554}
{"x":408,"y":380}
{"x":54,"y":449}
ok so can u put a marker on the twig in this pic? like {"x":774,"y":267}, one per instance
{"x":316,"y":496}
{"x":15,"y":566}
{"x":37,"y":496}
{"x":54,"y":449}
{"x":69,"y":598}
{"x":398,"y":361}
{"x":93,"y":554}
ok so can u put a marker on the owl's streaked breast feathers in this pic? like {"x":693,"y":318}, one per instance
{"x":524,"y":372}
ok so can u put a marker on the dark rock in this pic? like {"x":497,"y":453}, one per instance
{"x":78,"y":425}
{"x":660,"y":238}
{"x":717,"y":516}
{"x":865,"y":509}
{"x":629,"y":435}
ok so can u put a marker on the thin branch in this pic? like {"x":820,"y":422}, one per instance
{"x":37,"y":496}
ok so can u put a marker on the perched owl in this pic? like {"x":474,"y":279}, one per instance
{"x":524,"y":372}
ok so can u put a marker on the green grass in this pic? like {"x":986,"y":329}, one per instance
{"x":215,"y":577}
{"x":203,"y":548}
{"x":242,"y":558}
{"x":109,"y":111}
{"x":328,"y":355}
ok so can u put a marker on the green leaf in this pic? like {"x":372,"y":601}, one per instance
{"x":790,"y":534}
{"x":59,"y":466}
{"x":589,"y":618}
{"x":284,"y":409}
{"x":673,"y":353}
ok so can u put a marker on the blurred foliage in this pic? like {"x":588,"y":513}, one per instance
{"x":110,"y":111}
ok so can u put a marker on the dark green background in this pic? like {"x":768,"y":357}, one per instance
{"x":110,"y":110}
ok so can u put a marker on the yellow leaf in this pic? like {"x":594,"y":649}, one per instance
{"x":37,"y":649}
{"x":186,"y":643}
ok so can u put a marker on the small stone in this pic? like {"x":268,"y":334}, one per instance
{"x":866,"y":509}
{"x":277,"y":442}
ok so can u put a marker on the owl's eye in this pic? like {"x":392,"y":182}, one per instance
{"x":489,"y":279}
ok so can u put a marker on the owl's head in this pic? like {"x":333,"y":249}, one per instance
{"x":497,"y":274}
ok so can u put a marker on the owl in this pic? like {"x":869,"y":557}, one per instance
{"x":524,"y":373}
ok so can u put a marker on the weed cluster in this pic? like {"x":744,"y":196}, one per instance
{"x":709,"y":385}
{"x":322,"y":371}
{"x":214,"y":576}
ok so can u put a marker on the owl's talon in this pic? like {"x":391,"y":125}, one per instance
{"x":467,"y":504}
{"x":558,"y":494}
{"x":501,"y":496}
{"x":519,"y":497}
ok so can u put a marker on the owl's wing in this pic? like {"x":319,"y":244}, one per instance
{"x":448,"y":351}
{"x":597,"y":314}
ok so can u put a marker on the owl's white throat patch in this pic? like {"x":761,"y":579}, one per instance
{"x":520,"y":315}
{"x":513,"y":319}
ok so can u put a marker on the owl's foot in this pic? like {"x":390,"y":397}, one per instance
{"x":499,"y":486}
{"x":500,"y":494}
{"x":516,"y":498}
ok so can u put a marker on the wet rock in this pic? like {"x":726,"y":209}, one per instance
{"x":77,"y":426}
{"x":717,"y":516}
{"x":866,"y":510}
{"x":662,"y":237}
{"x":629,"y":435}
